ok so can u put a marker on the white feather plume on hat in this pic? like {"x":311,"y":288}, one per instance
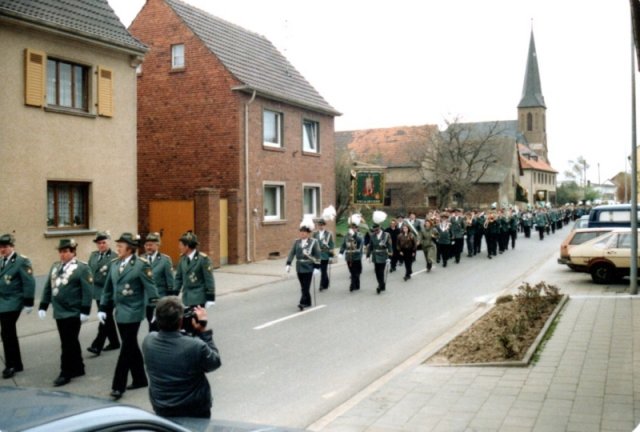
{"x":355,"y":219}
{"x":307,"y":222}
{"x":329,"y":213}
{"x":379,"y":216}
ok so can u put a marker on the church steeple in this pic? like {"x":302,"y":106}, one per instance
{"x":532,"y":111}
{"x":532,"y":90}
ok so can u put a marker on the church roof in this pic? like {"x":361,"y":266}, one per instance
{"x":532,"y":89}
{"x":93,"y":19}
{"x":252,"y":59}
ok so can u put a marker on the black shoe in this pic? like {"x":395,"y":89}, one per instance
{"x":116,"y":394}
{"x":300,"y":307}
{"x":378,"y":290}
{"x":444,"y":265}
{"x":77,"y":374}
{"x":10,"y":372}
{"x":133,"y":386}
{"x":111,"y":347}
{"x":61,"y":380}
{"x":94,"y":350}
{"x":405,"y":277}
{"x":489,"y":256}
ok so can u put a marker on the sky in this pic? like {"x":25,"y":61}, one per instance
{"x":415,"y":62}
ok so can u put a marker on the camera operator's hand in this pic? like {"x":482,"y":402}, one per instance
{"x":199,"y":322}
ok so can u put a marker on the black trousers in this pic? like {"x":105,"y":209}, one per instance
{"x":443,"y":252}
{"x":379,"y":269}
{"x":305,"y":288}
{"x":471,"y":247}
{"x":477,"y":242}
{"x":9,"y":336}
{"x":324,"y":274}
{"x":355,"y":268}
{"x":106,"y":330}
{"x":71,"y":364}
{"x":458,"y":246}
{"x":395,"y":258}
{"x":541,"y":232}
{"x":514,"y":235}
{"x":492,"y":244}
{"x":130,"y":358}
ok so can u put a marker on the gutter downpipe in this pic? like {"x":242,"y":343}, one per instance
{"x":247,"y":215}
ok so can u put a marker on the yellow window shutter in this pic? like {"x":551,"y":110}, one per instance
{"x":105,"y":92}
{"x":34,"y":77}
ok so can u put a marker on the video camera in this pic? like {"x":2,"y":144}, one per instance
{"x":187,"y":321}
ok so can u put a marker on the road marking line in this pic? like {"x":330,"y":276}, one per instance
{"x":288,"y":317}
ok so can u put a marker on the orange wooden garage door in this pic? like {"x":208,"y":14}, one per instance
{"x":171,"y":219}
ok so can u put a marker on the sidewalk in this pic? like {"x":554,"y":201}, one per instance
{"x":587,"y":379}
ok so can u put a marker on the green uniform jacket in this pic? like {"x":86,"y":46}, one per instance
{"x":326,"y":244}
{"x":493,"y":227}
{"x":352,"y":247}
{"x":100,"y":268}
{"x":444,"y":234}
{"x":513,"y":223}
{"x":70,"y":292}
{"x":503,"y":225}
{"x":307,"y":258}
{"x":162,"y":268}
{"x":380,"y":248}
{"x":457,"y":227}
{"x":17,"y":285}
{"x":195,"y":279}
{"x":428,"y":237}
{"x":541,"y":220}
{"x":130,"y":290}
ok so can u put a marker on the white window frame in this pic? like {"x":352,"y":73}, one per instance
{"x":177,"y":58}
{"x":278,"y":120}
{"x":310,"y":144}
{"x":280,"y":201}
{"x":316,"y":198}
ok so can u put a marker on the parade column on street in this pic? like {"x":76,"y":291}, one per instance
{"x":306,"y":252}
{"x":352,"y":249}
{"x":18,"y":290}
{"x":69,"y":288}
{"x":379,"y":250}
{"x":128,"y":288}
{"x":99,"y":262}
{"x":162,"y":269}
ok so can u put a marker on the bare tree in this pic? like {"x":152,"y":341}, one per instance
{"x":578,"y":171}
{"x":454,"y":160}
{"x":344,"y":165}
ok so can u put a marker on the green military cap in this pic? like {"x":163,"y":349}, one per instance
{"x":67,"y":244}
{"x":128,"y":238}
{"x":153,"y":237}
{"x":189,"y":239}
{"x":7,"y":240}
{"x":102,"y":235}
{"x":321,"y":221}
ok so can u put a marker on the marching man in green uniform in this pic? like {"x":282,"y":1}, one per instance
{"x":379,"y":251}
{"x":352,"y":249}
{"x":100,"y":261}
{"x":194,"y":274}
{"x":17,"y":289}
{"x":69,"y":288}
{"x":128,"y":288}
{"x":325,"y":239}
{"x":306,"y":251}
{"x":162,"y":268}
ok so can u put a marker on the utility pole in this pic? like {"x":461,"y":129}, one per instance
{"x":633,"y":271}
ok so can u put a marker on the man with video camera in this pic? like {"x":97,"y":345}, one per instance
{"x":177,"y":361}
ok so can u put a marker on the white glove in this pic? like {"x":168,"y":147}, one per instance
{"x":27,"y":309}
{"x":153,"y":319}
{"x":287,"y":269}
{"x":209,"y":304}
{"x":388,"y":261}
{"x":42,"y":314}
{"x":316,"y":272}
{"x":84,"y":318}
{"x":102,"y":317}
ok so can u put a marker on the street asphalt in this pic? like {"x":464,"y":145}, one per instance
{"x":587,"y":377}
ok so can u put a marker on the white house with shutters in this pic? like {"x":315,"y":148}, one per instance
{"x":67,"y":124}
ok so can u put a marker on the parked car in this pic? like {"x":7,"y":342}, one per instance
{"x":40,"y":410}
{"x":575,"y":238}
{"x":607,"y":258}
{"x":617,"y":216}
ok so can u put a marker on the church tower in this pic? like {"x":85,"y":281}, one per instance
{"x":532,"y":117}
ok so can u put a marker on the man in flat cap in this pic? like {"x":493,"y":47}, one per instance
{"x":17,"y":289}
{"x":162,"y":268}
{"x":129,"y":288}
{"x":352,"y":249}
{"x":69,"y":288}
{"x":100,"y":261}
{"x":306,"y":252}
{"x":194,"y":274}
{"x":325,"y":240}
{"x":379,"y":252}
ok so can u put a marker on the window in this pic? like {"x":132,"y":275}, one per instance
{"x":67,"y":85}
{"x":177,"y":56}
{"x":311,"y":200}
{"x":67,"y":205}
{"x":272,"y":128}
{"x":529,"y":122}
{"x":273,"y":202}
{"x":310,"y":136}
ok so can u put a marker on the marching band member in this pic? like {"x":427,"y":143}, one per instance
{"x":306,"y":251}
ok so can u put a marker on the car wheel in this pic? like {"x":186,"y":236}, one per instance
{"x":572,"y":266}
{"x":603,"y":273}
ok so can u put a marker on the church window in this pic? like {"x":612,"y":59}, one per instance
{"x":529,"y":122}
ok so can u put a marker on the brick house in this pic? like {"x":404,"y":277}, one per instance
{"x":68,"y":124}
{"x":233,"y":142}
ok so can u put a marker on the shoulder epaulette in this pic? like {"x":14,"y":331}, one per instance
{"x":144,"y":260}
{"x":202,"y":254}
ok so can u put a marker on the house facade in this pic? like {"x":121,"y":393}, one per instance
{"x":233,"y":143}
{"x":68,"y":124}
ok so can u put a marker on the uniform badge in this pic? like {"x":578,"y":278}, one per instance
{"x":103,"y":269}
{"x":127,"y":291}
{"x":149,"y":272}
{"x":90,"y":279}
{"x":55,"y":292}
{"x":193,"y":278}
{"x":29,"y":270}
{"x":7,"y":279}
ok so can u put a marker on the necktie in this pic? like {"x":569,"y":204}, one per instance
{"x":150,"y":259}
{"x":101,"y":256}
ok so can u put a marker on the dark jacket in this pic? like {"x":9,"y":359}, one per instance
{"x":176,"y":365}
